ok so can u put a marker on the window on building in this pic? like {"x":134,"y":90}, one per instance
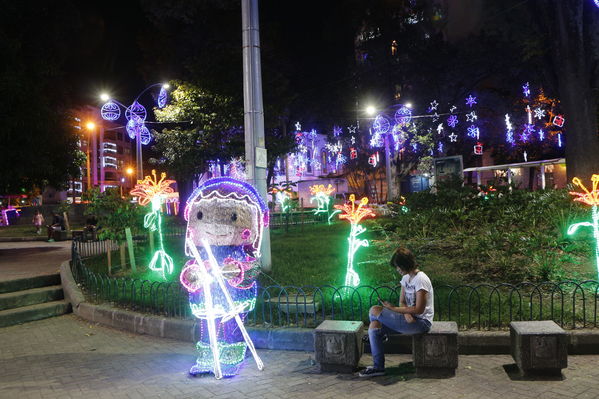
{"x":119,"y":136}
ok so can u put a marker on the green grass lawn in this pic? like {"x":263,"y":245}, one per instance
{"x":27,"y":230}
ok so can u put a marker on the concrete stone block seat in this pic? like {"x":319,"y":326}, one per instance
{"x":539,"y":347}
{"x":435,"y":354}
{"x":338,"y":345}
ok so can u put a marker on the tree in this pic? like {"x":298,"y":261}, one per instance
{"x":37,"y":139}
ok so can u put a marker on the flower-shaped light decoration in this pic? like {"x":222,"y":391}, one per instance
{"x":354,"y":215}
{"x":589,"y":197}
{"x":322,"y":195}
{"x":152,"y":190}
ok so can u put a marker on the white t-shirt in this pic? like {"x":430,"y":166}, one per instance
{"x":419,"y":282}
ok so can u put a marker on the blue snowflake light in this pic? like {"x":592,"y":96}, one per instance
{"x":337,"y":131}
{"x":110,"y":111}
{"x":539,"y":112}
{"x":541,"y":132}
{"x":471,"y":100}
{"x":474,"y":132}
{"x":526,"y":89}
{"x":452,"y":121}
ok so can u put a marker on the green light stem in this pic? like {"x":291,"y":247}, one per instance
{"x":351,"y":277}
{"x":596,"y":235}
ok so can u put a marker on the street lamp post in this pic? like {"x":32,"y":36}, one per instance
{"x":255,"y":148}
{"x":136,"y":117}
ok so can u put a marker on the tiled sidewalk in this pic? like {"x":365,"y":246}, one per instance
{"x":65,"y":357}
{"x":26,"y":259}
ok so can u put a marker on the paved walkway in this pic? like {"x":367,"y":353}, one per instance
{"x":66,"y":357}
{"x":32,"y":258}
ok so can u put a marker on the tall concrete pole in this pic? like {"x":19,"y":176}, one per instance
{"x":253,"y":117}
{"x":388,"y":174}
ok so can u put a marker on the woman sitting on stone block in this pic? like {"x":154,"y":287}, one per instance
{"x":413,"y":316}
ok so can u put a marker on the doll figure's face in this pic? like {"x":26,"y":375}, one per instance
{"x":223,"y":221}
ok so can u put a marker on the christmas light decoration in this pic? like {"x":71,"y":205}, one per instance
{"x":298,"y":126}
{"x":354,"y":215}
{"x":470,"y":101}
{"x":435,"y":117}
{"x":403,"y":115}
{"x":440,"y":128}
{"x":136,"y":111}
{"x":529,"y":113}
{"x":337,"y":131}
{"x":225,"y":220}
{"x":322,"y":195}
{"x":471,"y":116}
{"x":353,"y":153}
{"x":162,"y":97}
{"x":154,"y":191}
{"x":144,"y":135}
{"x":539,"y":113}
{"x":597,"y":3}
{"x":452,"y":109}
{"x":590,"y":198}
{"x":284,"y":199}
{"x":110,"y":111}
{"x":373,"y":160}
{"x":541,"y":135}
{"x":453,"y":137}
{"x":559,"y":140}
{"x":559,"y":121}
{"x":352,"y":129}
{"x":478,"y":149}
{"x":509,"y":135}
{"x":381,"y":125}
{"x":526,"y":89}
{"x":474,"y":132}
{"x":440,"y":146}
{"x":433,"y":106}
{"x":452,"y":121}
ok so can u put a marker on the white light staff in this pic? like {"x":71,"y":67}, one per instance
{"x":221,"y":282}
{"x":206,"y":279}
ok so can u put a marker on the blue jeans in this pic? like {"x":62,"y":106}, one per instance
{"x":392,"y":322}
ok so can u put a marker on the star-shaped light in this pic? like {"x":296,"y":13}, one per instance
{"x":452,"y":121}
{"x":471,"y":100}
{"x":539,"y":112}
{"x":351,"y":129}
{"x":435,"y":104}
{"x":453,"y":137}
{"x":298,"y":126}
{"x":471,"y":116}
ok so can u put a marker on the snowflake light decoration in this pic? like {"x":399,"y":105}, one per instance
{"x":452,"y":121}
{"x":354,"y":215}
{"x":539,"y":113}
{"x":541,"y":135}
{"x":526,"y":89}
{"x":471,"y":101}
{"x":474,"y":132}
{"x":337,"y":131}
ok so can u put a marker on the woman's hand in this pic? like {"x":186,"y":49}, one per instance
{"x":387,"y":305}
{"x":409,"y":318}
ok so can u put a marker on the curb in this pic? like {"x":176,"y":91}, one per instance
{"x":22,"y":239}
{"x":298,"y":339}
{"x":582,"y":341}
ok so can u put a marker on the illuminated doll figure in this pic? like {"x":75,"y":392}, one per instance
{"x":225,"y":220}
